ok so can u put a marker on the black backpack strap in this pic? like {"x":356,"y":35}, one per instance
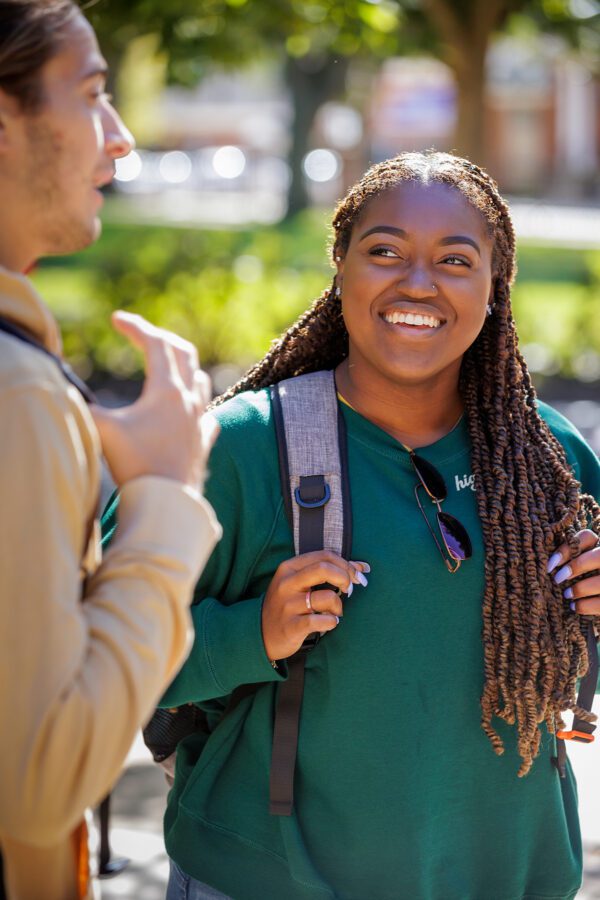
{"x":311,"y":441}
{"x":10,"y":328}
{"x":285,"y":738}
{"x":581,"y":731}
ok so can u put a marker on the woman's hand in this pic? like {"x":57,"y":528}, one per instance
{"x":584,"y":596}
{"x":292,"y":610}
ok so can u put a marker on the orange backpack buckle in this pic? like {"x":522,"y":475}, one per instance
{"x":581,"y":736}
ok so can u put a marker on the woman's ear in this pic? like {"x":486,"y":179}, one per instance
{"x":339,"y":264}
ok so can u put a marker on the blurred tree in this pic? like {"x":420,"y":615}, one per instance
{"x":316,"y":39}
{"x":459,"y":32}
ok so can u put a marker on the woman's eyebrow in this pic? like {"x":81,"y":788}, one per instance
{"x":401,"y":233}
{"x":386,"y":229}
{"x":459,"y":239}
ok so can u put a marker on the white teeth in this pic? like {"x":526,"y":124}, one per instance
{"x":396,"y":318}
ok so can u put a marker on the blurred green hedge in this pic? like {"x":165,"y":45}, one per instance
{"x":231,"y":292}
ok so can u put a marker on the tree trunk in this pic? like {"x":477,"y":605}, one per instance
{"x":464,"y":32}
{"x":311,"y":81}
{"x":469,"y":132}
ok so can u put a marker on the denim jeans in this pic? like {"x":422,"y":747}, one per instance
{"x":184,"y":887}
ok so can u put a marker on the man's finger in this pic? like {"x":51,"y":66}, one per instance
{"x":209,"y":428}
{"x":159,"y":357}
{"x":203,"y":387}
{"x":186,"y":357}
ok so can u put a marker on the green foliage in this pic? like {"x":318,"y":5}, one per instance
{"x":233,"y":292}
{"x":230,"y":293}
{"x":194,"y":37}
{"x":556,"y":299}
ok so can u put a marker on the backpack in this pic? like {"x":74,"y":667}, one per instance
{"x":313,"y":471}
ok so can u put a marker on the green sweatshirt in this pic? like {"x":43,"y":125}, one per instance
{"x":398,"y":792}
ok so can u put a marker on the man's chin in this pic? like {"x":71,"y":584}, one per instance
{"x":74,"y":237}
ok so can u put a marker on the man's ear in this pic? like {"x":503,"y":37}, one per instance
{"x":9,"y":112}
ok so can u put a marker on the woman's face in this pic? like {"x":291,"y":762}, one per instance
{"x":415,"y":282}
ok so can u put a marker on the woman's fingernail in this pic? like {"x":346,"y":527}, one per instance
{"x":349,"y":590}
{"x":554,"y":561}
{"x":568,"y":593}
{"x":362,"y":579}
{"x":563,"y":574}
{"x":365,"y":566}
{"x":572,"y":606}
{"x":337,"y":620}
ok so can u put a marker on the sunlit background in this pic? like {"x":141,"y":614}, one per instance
{"x":252,"y":118}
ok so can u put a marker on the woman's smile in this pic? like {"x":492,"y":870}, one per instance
{"x":419,"y":322}
{"x":415,"y":282}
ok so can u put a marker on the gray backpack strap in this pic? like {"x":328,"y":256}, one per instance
{"x":311,"y":439}
{"x":313,"y":456}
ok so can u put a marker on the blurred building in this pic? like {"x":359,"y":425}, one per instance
{"x":228,"y":139}
{"x":541,"y":116}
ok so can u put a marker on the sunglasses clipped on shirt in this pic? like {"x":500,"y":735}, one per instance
{"x":456,"y":541}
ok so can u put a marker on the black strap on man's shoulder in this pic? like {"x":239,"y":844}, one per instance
{"x":9,"y":327}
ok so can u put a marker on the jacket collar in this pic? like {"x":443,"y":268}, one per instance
{"x":21,"y":303}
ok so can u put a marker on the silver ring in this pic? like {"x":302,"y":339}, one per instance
{"x":308,"y":603}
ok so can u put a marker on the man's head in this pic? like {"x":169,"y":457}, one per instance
{"x":59,"y":134}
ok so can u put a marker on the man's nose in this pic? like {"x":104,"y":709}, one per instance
{"x":118,"y":140}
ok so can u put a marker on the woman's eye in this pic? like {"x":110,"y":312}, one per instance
{"x":386,"y":252}
{"x":456,"y":261}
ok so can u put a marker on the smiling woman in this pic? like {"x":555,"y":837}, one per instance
{"x":461,"y":644}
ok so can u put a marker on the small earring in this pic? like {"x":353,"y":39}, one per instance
{"x":434,"y":288}
{"x":338,"y":291}
{"x":488,"y":310}
{"x":338,"y":259}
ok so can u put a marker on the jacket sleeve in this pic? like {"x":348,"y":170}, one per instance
{"x":228,"y":649}
{"x":78,"y":678}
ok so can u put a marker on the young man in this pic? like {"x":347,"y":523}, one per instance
{"x":87,"y":645}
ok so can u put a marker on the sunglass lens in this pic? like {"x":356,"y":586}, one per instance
{"x":455,"y":537}
{"x":431,"y":479}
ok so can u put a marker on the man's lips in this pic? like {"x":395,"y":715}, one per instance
{"x":103,"y":179}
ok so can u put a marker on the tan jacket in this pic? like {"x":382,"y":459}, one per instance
{"x":76,"y":678}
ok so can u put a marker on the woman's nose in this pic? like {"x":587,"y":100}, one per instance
{"x":417,"y":282}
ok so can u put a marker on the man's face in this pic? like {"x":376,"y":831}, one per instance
{"x":62,"y":154}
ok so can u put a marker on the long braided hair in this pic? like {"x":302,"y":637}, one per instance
{"x":528,"y":499}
